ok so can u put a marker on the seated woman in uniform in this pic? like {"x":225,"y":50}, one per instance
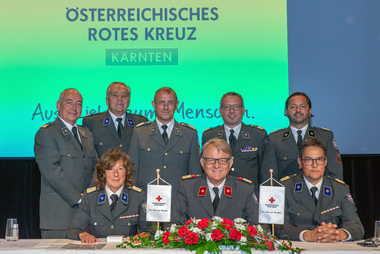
{"x":114,"y":206}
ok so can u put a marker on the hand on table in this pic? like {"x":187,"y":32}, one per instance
{"x":326,"y":233}
{"x":88,"y":238}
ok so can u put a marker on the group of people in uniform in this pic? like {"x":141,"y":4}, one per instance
{"x":94,"y":177}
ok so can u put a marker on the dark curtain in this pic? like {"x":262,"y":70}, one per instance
{"x":20,"y":190}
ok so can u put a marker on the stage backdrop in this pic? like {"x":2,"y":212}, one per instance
{"x":202,"y":49}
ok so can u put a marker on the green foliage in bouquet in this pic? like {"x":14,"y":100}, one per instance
{"x":214,"y":236}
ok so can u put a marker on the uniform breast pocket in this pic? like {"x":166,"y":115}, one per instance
{"x":68,"y":153}
{"x":300,"y":216}
{"x":148,"y":154}
{"x":182,"y":154}
{"x":129,"y":222}
{"x":247,"y":156}
{"x":332,"y":216}
{"x":97,"y":221}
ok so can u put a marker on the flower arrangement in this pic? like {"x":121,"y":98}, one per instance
{"x":214,"y":236}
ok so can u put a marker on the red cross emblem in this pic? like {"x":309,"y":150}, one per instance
{"x":272,"y":200}
{"x":159,"y":198}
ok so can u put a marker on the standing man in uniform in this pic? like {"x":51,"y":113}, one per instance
{"x":247,"y":142}
{"x":282,"y":150}
{"x":164,"y":144}
{"x":66,"y":158}
{"x":114,"y":127}
{"x":318,"y":208}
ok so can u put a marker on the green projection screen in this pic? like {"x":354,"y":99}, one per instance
{"x":202,"y":49}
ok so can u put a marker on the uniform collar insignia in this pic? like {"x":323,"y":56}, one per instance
{"x":245,"y":135}
{"x":298,"y":187}
{"x":227,"y":191}
{"x":311,"y":133}
{"x":153,"y":130}
{"x":177,"y":131}
{"x":106,"y":121}
{"x":83,"y":133}
{"x":130,"y":122}
{"x":286,"y":135}
{"x":102,"y":198}
{"x":202,"y":191}
{"x":124,"y":198}
{"x":327,"y":191}
{"x":65,"y":131}
{"x":219,"y":133}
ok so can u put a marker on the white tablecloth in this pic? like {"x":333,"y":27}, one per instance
{"x":55,"y":247}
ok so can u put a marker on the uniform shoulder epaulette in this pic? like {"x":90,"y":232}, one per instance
{"x":257,"y":127}
{"x":190,"y":176}
{"x":188,"y":125}
{"x":322,"y":128}
{"x":287,"y":177}
{"x":243,"y":179}
{"x":94,"y":114}
{"x":135,"y":188}
{"x":139,"y":115}
{"x":46,"y":125}
{"x":336,"y":180}
{"x":84,"y":127}
{"x":277,"y":130}
{"x":211,"y":128}
{"x":142,"y":124}
{"x":92,"y":189}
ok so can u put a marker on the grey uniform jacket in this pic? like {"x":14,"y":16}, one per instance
{"x":66,"y":172}
{"x":149,"y":152}
{"x":193,"y":199}
{"x":248,"y":151}
{"x":95,"y":213}
{"x":281,"y":153}
{"x":105,"y":133}
{"x":335,"y":205}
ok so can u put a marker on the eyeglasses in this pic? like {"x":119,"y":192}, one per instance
{"x":212,"y":161}
{"x":235,"y":107}
{"x":310,"y":161}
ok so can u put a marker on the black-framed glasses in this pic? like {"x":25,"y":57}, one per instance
{"x":310,"y":161}
{"x":235,"y":107}
{"x":212,"y":161}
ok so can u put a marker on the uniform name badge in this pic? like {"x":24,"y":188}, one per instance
{"x":159,"y":203}
{"x":272,"y":204}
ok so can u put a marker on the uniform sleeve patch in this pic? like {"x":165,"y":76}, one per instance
{"x":350,"y":198}
{"x":335,"y":144}
{"x":338,"y":158}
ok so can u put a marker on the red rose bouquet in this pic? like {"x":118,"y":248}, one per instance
{"x":214,"y":236}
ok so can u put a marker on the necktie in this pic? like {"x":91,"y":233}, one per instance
{"x":216,"y":199}
{"x":120,"y":127}
{"x":313,"y":191}
{"x":299,"y":139}
{"x":165,"y":134}
{"x":114,"y":199}
{"x":75,"y":133}
{"x":232,"y":140}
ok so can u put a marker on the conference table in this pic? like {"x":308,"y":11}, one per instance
{"x":58,"y":246}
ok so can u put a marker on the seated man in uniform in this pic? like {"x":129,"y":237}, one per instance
{"x":215,"y":193}
{"x":318,"y":208}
